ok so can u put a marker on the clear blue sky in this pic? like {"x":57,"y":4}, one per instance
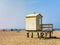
{"x":13,"y":12}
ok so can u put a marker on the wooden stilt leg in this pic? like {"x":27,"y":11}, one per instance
{"x":49,"y":34}
{"x":38,"y":34}
{"x":32,"y":35}
{"x":41,"y":35}
{"x":45,"y":35}
{"x":28,"y":34}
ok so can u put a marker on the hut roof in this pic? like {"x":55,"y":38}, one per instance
{"x":33,"y":15}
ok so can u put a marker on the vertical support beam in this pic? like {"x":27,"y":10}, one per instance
{"x":32,"y":35}
{"x":45,"y":35}
{"x":41,"y":35}
{"x":52,"y":29}
{"x":49,"y":34}
{"x":38,"y":34}
{"x":28,"y":35}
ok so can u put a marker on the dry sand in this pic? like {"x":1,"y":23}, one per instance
{"x":19,"y":38}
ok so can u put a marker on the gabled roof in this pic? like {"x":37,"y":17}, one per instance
{"x":33,"y":15}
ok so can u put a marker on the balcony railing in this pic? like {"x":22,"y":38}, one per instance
{"x":46,"y":26}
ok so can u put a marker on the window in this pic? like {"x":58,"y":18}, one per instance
{"x":39,"y":21}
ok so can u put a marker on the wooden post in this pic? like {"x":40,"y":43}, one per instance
{"x":38,"y":34}
{"x":41,"y":35}
{"x":28,"y":34}
{"x":45,"y":35}
{"x":32,"y":35}
{"x":49,"y":34}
